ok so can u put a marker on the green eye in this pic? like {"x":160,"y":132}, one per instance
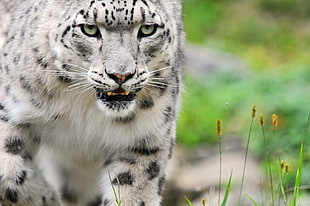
{"x":147,"y":30}
{"x":90,"y":30}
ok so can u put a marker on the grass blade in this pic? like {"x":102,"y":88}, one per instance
{"x":188,"y":201}
{"x":282,"y":187}
{"x":250,"y":198}
{"x":227,"y":190}
{"x":117,"y":197}
{"x":298,"y":174}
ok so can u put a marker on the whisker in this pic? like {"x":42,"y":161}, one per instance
{"x":160,"y":66}
{"x":154,"y":78}
{"x":160,"y":83}
{"x":157,"y":70}
{"x":88,"y":89}
{"x":156,"y":86}
{"x":76,"y":66}
{"x":80,"y":87}
{"x":77,"y":83}
{"x":151,"y":91}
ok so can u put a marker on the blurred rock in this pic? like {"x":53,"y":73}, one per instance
{"x":202,"y":60}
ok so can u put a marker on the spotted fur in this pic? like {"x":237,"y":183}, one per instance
{"x":89,"y":95}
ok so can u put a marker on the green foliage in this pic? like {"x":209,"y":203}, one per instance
{"x":291,"y":8}
{"x":265,"y":33}
{"x":272,"y":36}
{"x":229,"y":97}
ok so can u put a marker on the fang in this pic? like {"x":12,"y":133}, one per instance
{"x":126,"y":93}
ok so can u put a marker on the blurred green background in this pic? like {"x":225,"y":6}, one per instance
{"x":272,"y":37}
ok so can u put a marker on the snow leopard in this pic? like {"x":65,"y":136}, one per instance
{"x":89,"y":98}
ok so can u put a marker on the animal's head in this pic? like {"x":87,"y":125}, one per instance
{"x":124,"y":52}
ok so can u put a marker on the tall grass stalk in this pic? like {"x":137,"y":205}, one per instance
{"x":262,"y":123}
{"x":246,"y":152}
{"x":282,"y":166}
{"x":298,"y":175}
{"x":219,"y":134}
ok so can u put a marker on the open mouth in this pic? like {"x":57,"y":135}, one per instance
{"x":117,"y":95}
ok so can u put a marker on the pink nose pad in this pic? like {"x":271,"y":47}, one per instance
{"x":120,"y":78}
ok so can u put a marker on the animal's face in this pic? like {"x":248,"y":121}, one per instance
{"x":119,"y":50}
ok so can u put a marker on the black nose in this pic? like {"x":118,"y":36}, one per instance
{"x":120,"y":78}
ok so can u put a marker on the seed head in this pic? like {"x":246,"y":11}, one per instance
{"x":275,"y":120}
{"x":204,"y":202}
{"x":254,"y":108}
{"x":219,"y":127}
{"x":282,"y":165}
{"x":287,"y":168}
{"x":262,"y":119}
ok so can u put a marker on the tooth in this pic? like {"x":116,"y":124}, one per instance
{"x":110,"y":93}
{"x":126,"y":93}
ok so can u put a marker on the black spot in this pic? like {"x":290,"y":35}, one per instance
{"x":27,"y":157}
{"x":43,"y":200}
{"x":91,"y":3}
{"x":167,"y":114}
{"x":83,"y":49}
{"x":66,"y":31}
{"x":42,"y":61}
{"x":146,"y":102}
{"x":143,"y":1}
{"x":172,"y":143}
{"x":1,"y":107}
{"x":25,"y":83}
{"x":36,"y":139}
{"x":4,"y":119}
{"x":126,"y":119}
{"x":11,"y":195}
{"x":145,"y":150}
{"x":161,"y":184}
{"x":21,"y":178}
{"x":128,"y":160}
{"x":95,"y":202}
{"x":106,"y":202}
{"x":64,"y":79}
{"x":142,"y":203}
{"x":68,"y":195}
{"x":108,"y":161}
{"x":16,"y":59}
{"x":152,"y":170}
{"x":14,"y":145}
{"x":123,"y":179}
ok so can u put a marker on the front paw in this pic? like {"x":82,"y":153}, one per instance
{"x":20,"y":185}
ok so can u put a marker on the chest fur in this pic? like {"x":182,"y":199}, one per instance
{"x":85,"y":128}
